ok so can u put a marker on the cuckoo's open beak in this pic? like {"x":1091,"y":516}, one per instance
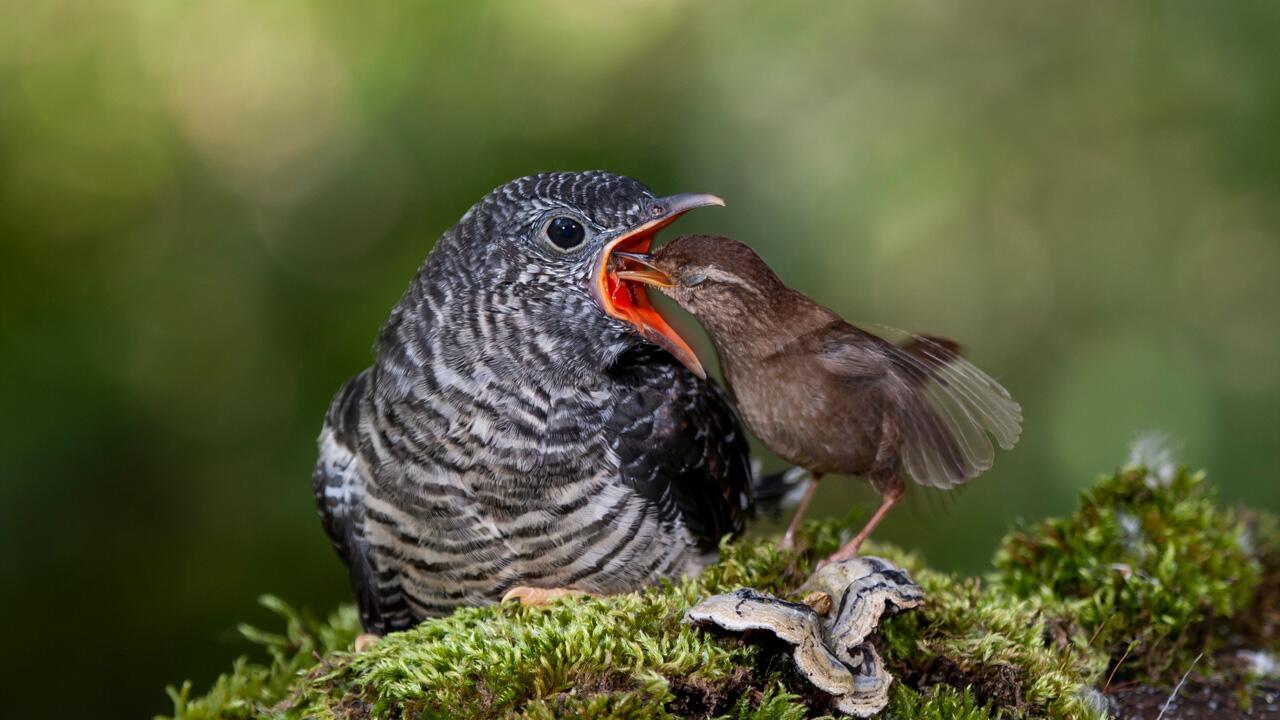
{"x":620,"y":295}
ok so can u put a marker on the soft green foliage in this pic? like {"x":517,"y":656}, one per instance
{"x":1147,"y":559}
{"x":1033,"y":640}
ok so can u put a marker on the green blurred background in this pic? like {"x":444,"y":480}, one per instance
{"x":207,"y":209}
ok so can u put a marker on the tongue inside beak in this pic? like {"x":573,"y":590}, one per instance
{"x":627,"y":300}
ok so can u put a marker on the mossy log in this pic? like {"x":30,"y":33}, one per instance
{"x":1100,"y":613}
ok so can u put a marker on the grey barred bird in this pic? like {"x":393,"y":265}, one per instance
{"x":529,"y":420}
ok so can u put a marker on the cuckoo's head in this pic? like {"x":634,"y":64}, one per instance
{"x":542,"y":245}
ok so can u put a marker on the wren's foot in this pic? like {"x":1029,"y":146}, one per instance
{"x":526,"y":595}
{"x":788,"y":541}
{"x":850,"y":550}
{"x":365,"y":641}
{"x":847,"y":552}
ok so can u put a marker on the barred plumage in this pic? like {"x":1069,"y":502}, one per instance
{"x":511,"y":432}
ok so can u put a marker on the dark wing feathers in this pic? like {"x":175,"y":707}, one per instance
{"x":679,"y":444}
{"x":946,"y":410}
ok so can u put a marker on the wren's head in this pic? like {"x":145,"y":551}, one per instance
{"x":718,"y":280}
{"x":532,"y":259}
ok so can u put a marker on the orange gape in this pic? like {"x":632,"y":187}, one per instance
{"x":631,"y":303}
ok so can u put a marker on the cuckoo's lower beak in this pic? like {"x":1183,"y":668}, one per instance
{"x":617,"y":287}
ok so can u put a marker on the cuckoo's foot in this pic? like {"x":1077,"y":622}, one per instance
{"x":526,"y":595}
{"x":365,"y":641}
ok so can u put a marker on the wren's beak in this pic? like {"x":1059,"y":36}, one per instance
{"x":616,"y":287}
{"x":640,"y":268}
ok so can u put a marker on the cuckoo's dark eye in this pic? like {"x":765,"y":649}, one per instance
{"x":565,"y":233}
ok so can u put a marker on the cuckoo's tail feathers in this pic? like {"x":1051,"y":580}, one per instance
{"x":778,"y":491}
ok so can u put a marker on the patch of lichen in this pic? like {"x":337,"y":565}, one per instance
{"x":1150,"y":551}
{"x":1147,"y":564}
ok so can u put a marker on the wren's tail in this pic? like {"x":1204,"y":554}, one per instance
{"x":948,"y":411}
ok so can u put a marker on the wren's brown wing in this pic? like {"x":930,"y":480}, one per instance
{"x":946,"y":409}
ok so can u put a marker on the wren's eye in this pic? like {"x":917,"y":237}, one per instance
{"x":694,"y":279}
{"x":565,"y":233}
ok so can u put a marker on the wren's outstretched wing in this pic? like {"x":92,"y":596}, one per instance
{"x":945,"y":409}
{"x":339,"y":482}
{"x":679,"y":444}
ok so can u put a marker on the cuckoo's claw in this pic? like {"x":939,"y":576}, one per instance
{"x":526,"y":595}
{"x":365,"y":641}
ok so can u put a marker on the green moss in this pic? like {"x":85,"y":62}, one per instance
{"x":1146,"y":559}
{"x":476,"y":662}
{"x":996,"y":645}
{"x":621,"y":705}
{"x":775,"y":704}
{"x":940,"y":703}
{"x":593,"y":656}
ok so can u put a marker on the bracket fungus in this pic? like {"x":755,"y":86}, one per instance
{"x":843,"y":606}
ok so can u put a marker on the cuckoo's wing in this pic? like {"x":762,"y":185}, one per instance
{"x":679,"y":444}
{"x":946,"y":411}
{"x":339,"y":485}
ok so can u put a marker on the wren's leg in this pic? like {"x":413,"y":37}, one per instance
{"x":542,"y":596}
{"x":889,"y":498}
{"x":789,"y":539}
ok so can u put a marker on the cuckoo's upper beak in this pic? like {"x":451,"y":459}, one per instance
{"x":616,"y":285}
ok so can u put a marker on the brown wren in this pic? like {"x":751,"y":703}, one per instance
{"x":826,"y":395}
